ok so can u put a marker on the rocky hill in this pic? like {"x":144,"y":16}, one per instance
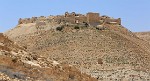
{"x":18,"y":65}
{"x":108,"y":52}
{"x":143,"y":35}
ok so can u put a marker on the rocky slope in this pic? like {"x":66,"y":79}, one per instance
{"x":110,"y":53}
{"x":18,"y":65}
{"x":143,"y":35}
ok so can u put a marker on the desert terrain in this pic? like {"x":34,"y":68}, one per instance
{"x":75,"y":47}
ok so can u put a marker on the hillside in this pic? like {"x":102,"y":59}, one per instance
{"x":143,"y":35}
{"x":108,"y":52}
{"x":18,"y":65}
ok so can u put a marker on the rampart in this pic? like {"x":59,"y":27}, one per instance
{"x":90,"y":18}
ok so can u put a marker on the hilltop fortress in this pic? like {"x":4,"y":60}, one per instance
{"x":96,"y":45}
{"x":91,"y":19}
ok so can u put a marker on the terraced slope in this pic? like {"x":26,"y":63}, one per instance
{"x":109,"y":53}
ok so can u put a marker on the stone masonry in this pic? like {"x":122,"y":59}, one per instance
{"x":92,"y":19}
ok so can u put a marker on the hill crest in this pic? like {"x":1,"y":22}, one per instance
{"x":90,"y":18}
{"x":104,"y":48}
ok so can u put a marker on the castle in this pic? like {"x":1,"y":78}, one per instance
{"x":92,"y":19}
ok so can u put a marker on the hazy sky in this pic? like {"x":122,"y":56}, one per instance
{"x":135,"y":14}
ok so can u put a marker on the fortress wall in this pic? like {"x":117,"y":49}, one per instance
{"x":92,"y":17}
{"x":70,"y":19}
{"x":115,"y":21}
{"x":81,"y":19}
{"x":119,"y":21}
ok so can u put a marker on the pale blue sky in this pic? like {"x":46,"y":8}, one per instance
{"x":135,"y":14}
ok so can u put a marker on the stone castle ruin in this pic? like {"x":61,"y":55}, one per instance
{"x":92,"y":19}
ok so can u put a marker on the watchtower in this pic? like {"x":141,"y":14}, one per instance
{"x":93,"y":18}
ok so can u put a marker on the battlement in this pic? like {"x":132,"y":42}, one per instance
{"x":93,"y":19}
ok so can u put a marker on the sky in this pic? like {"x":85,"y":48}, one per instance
{"x":135,"y":14}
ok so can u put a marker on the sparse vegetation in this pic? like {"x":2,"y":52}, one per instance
{"x":100,"y":28}
{"x":59,"y":28}
{"x":86,"y":24}
{"x":14,"y":60}
{"x":76,"y":27}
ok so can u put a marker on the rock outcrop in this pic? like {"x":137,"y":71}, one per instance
{"x":18,"y":65}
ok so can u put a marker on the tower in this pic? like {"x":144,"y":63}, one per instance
{"x":93,"y":18}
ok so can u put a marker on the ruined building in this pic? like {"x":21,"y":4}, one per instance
{"x":92,"y":19}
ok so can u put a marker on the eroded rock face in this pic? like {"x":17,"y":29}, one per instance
{"x":16,"y":64}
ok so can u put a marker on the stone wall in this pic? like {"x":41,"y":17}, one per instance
{"x":113,"y":21}
{"x":70,"y":19}
{"x":81,"y":19}
{"x":92,"y":19}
